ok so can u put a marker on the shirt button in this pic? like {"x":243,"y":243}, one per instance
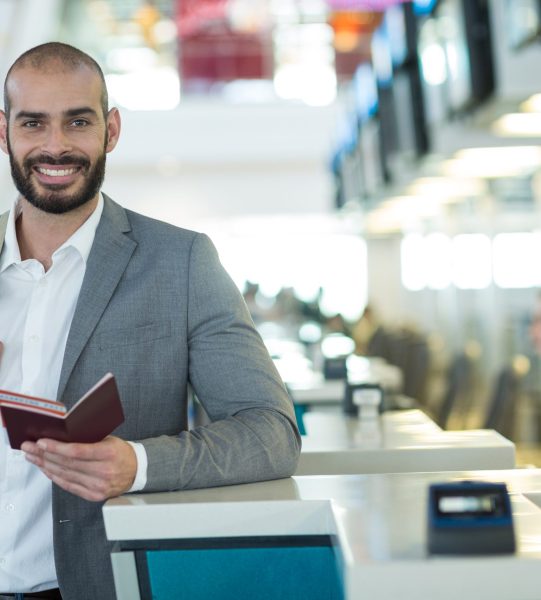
{"x":34,"y":338}
{"x":2,"y":560}
{"x":10,"y":507}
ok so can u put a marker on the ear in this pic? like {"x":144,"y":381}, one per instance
{"x":3,"y":131}
{"x":113,"y":129}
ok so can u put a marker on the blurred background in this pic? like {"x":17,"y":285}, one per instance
{"x":368,"y":170}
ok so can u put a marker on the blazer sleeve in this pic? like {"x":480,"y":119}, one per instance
{"x":253,"y":434}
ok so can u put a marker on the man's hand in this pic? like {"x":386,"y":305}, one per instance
{"x":92,"y":471}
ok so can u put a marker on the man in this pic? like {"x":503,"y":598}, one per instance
{"x":87,"y":287}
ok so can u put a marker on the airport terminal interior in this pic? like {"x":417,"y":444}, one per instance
{"x":370,"y":173}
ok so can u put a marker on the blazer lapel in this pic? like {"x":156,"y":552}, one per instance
{"x":108,"y":259}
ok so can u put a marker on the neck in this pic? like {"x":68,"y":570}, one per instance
{"x":39,"y":233}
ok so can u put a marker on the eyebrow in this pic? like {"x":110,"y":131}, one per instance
{"x":72,"y":112}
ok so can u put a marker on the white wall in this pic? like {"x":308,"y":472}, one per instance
{"x":209,"y":160}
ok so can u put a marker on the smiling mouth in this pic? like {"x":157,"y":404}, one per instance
{"x":57,"y":172}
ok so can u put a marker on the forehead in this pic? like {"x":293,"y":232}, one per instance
{"x":53,"y":88}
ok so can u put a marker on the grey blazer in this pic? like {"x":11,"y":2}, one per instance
{"x":157,"y":309}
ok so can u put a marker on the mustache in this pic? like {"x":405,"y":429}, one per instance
{"x":67,"y":159}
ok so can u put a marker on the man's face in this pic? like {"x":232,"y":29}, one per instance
{"x":57,"y":136}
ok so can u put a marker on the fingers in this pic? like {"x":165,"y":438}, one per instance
{"x":62,"y":451}
{"x":92,"y":471}
{"x":88,"y":488}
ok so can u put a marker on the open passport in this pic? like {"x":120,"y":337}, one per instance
{"x":91,"y":419}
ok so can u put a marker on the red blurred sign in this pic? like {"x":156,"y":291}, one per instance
{"x":213,"y":57}
{"x":196,"y":15}
{"x":211,"y":52}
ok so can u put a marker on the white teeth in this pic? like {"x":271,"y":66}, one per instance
{"x":56,"y":172}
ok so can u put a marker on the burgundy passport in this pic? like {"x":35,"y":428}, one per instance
{"x":91,"y":419}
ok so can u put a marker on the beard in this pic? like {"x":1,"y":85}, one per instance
{"x":53,"y":200}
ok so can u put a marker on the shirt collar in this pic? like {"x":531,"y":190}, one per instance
{"x":81,"y":240}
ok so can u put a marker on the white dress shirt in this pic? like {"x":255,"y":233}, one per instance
{"x":36,"y":310}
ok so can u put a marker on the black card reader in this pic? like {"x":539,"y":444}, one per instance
{"x":470,"y":517}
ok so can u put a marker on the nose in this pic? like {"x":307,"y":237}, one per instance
{"x":55,"y":141}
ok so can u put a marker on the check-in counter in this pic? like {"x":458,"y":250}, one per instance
{"x":325,"y":537}
{"x":310,"y":390}
{"x":308,"y":387}
{"x":397,"y":442}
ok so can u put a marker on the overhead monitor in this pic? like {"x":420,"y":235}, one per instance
{"x":352,"y":182}
{"x":395,"y":26}
{"x":456,"y":54}
{"x":405,"y":115}
{"x":452,"y":35}
{"x":409,"y":122}
{"x":370,"y":154}
{"x":433,"y":72}
{"x":365,"y":92}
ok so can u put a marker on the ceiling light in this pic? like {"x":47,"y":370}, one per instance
{"x":447,"y":189}
{"x":518,"y":125}
{"x":507,"y":161}
{"x":533,"y":104}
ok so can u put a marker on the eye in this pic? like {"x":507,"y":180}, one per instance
{"x":79,"y":123}
{"x":31,"y":124}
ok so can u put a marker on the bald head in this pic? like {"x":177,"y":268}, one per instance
{"x":55,"y":57}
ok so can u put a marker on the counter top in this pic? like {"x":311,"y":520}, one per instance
{"x":378,"y":522}
{"x":397,"y":441}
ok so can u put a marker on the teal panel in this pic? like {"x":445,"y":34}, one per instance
{"x":300,"y":409}
{"x":245,"y":574}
